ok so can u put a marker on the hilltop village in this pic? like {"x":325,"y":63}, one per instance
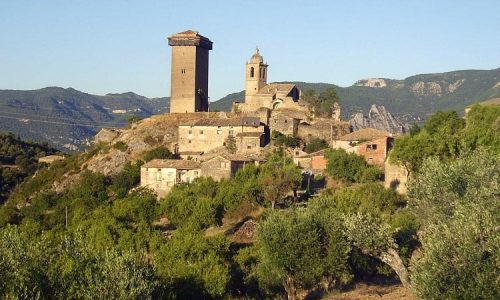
{"x":209,"y":144}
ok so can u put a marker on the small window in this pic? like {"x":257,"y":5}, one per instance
{"x":371,"y":147}
{"x":195,"y":173}
{"x":190,"y":132}
{"x":252,"y":71}
{"x":286,"y":121}
{"x":189,"y":141}
{"x":201,"y":131}
{"x":183,"y":71}
{"x":219,"y":131}
{"x":231,"y":132}
{"x":249,"y":146}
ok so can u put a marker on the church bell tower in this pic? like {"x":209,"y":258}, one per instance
{"x":256,"y":74}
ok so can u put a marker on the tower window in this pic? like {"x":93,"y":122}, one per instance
{"x":252,"y":71}
{"x":183,"y":71}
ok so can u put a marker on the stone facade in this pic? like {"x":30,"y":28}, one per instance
{"x":284,"y":123}
{"x":315,"y":162}
{"x":260,"y":94}
{"x":396,"y":177}
{"x":160,"y":175}
{"x":189,"y":72}
{"x":209,"y":135}
{"x":224,"y":166}
{"x":376,"y":151}
{"x":326,"y":129}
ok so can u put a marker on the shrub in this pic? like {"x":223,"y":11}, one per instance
{"x":160,"y":152}
{"x":120,"y":146}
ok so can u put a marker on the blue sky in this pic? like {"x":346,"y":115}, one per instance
{"x":118,"y":46}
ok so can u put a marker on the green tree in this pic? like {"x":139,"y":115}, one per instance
{"x":350,"y":167}
{"x":230,"y":144}
{"x":322,"y":104}
{"x":160,"y":152}
{"x":291,"y":251}
{"x":278,"y":176}
{"x":315,"y":144}
{"x":194,"y":265}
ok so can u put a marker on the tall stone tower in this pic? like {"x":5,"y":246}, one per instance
{"x":256,"y":75}
{"x":189,"y":78}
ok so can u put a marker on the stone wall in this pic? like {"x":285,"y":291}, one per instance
{"x":396,"y":177}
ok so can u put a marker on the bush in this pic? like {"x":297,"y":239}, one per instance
{"x":160,"y":152}
{"x":315,"y":145}
{"x":284,"y":140}
{"x":350,"y":167}
{"x":120,"y":146}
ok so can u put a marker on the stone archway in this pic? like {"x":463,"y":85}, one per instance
{"x":277,"y":103}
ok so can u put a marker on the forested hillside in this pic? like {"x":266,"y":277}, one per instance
{"x":18,"y":159}
{"x":102,"y":237}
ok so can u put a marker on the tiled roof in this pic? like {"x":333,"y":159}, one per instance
{"x":365,"y":134}
{"x":246,"y":121}
{"x":179,"y":164}
{"x":275,"y":88}
{"x":317,"y":153}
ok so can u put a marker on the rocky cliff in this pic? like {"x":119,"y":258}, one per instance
{"x":379,"y":118}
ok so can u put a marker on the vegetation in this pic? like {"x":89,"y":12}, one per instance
{"x":321,"y":104}
{"x":282,"y":140}
{"x":103,"y":237}
{"x":315,"y":145}
{"x":18,"y":160}
{"x":350,"y":167}
{"x":230,"y":144}
{"x":160,"y":152}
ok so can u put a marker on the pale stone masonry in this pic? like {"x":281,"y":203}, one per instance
{"x":189,"y":72}
{"x":258,"y":93}
{"x":209,"y":135}
{"x":160,"y":175}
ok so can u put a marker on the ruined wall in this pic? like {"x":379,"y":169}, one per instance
{"x":396,"y":177}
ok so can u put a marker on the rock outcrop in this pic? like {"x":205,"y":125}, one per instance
{"x":379,"y":118}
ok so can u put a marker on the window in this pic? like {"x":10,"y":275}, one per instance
{"x":195,"y":173}
{"x":231,"y":132}
{"x":252,"y":71}
{"x":201,"y":131}
{"x":183,"y":71}
{"x":189,"y":141}
{"x":190,"y":132}
{"x":249,"y":146}
{"x":371,"y":147}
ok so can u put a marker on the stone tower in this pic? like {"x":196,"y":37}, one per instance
{"x":256,"y":75}
{"x":189,"y":78}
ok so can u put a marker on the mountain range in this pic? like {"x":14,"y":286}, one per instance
{"x":67,"y":118}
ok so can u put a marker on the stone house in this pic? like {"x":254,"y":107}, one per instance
{"x":161,"y":175}
{"x":208,"y":135}
{"x":284,"y":123}
{"x":225,"y":166}
{"x":315,"y":162}
{"x":372,"y":144}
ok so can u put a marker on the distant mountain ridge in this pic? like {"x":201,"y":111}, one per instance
{"x":418,"y":95}
{"x":67,"y":118}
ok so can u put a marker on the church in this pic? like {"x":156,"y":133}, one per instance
{"x":260,"y":94}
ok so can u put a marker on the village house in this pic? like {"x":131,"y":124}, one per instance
{"x":208,"y":135}
{"x":314,"y":162}
{"x":372,"y":144}
{"x":160,"y":175}
{"x":226,"y":165}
